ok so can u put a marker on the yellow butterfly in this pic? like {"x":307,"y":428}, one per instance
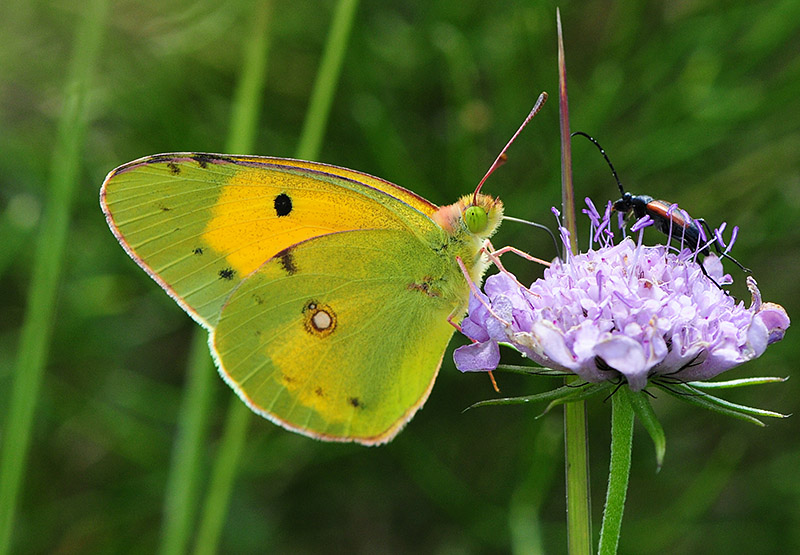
{"x":326,"y":292}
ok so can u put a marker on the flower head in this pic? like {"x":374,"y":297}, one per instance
{"x":622,"y":310}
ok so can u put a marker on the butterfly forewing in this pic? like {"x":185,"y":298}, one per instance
{"x":200,"y":223}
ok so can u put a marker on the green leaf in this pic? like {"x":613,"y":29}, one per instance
{"x":644,"y":412}
{"x":622,"y":415}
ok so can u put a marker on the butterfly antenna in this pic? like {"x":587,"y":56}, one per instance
{"x":540,"y":226}
{"x":502,"y":157}
{"x":603,"y":152}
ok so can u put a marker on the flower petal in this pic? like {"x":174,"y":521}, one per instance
{"x":775,"y":319}
{"x":477,"y":357}
{"x":626,"y":356}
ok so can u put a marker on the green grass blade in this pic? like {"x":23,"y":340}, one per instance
{"x":224,"y":471}
{"x":184,"y":478}
{"x":246,"y":108}
{"x":47,"y":264}
{"x":183,"y":483}
{"x":327,"y":79}
{"x":226,"y":465}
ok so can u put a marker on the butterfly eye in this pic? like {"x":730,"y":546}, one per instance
{"x":476,"y":219}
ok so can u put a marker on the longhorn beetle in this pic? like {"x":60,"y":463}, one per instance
{"x":676,"y":224}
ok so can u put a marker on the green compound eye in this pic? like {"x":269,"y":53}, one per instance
{"x":476,"y":219}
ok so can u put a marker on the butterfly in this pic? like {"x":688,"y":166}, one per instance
{"x":326,"y":291}
{"x":329,"y":295}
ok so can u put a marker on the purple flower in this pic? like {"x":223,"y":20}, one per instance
{"x":622,"y":310}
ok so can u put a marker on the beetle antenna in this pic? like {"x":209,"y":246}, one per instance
{"x":603,"y":152}
{"x":540,"y":226}
{"x":502,"y":157}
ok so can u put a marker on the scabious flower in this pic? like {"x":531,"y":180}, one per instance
{"x":622,"y":310}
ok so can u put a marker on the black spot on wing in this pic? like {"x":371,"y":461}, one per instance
{"x":425,"y":286}
{"x":174,"y":168}
{"x":286,"y":259}
{"x":160,"y":159}
{"x":198,"y":251}
{"x":203,"y":160}
{"x":355,"y":402}
{"x":227,"y":273}
{"x":283,"y":205}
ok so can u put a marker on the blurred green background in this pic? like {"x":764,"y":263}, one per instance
{"x":695,"y":102}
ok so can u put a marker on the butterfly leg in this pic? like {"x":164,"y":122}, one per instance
{"x":520,"y":253}
{"x":476,"y":293}
{"x":494,"y":257}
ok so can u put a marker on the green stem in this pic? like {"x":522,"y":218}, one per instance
{"x":215,"y":507}
{"x":330,"y":69}
{"x":224,"y":471}
{"x":47,"y":264}
{"x":579,"y":525}
{"x":183,"y":481}
{"x":567,"y":190}
{"x":619,"y":470}
{"x":246,"y":106}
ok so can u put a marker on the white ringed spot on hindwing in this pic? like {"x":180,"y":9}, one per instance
{"x":318,"y":319}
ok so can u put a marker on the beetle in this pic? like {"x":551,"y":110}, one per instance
{"x":670,"y":220}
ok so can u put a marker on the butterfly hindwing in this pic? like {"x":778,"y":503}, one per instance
{"x":341,"y":336}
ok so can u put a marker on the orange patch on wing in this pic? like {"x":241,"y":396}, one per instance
{"x":248,"y":226}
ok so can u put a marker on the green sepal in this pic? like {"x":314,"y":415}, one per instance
{"x":730,"y":384}
{"x":581,"y":394}
{"x":556,"y":396}
{"x":532,"y":370}
{"x":695,"y":396}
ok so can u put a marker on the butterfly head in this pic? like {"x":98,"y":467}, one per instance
{"x":473,"y":215}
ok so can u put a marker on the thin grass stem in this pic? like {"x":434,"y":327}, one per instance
{"x":224,"y":471}
{"x":48,"y":261}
